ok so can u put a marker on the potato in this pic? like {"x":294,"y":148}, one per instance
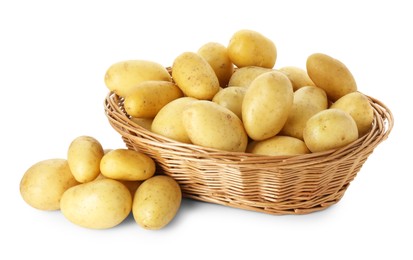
{"x":358,"y":106}
{"x":84,"y":155}
{"x":231,"y":98}
{"x":331,"y":75}
{"x":44,"y":183}
{"x":99,"y":204}
{"x":211,"y":125}
{"x":251,"y":48}
{"x":156,"y":202}
{"x":298,"y":77}
{"x":131,"y":185}
{"x":194,"y":76}
{"x":122,"y":76}
{"x":143,"y":122}
{"x":329,"y":129}
{"x":308,"y":101}
{"x":168,"y":122}
{"x":148,"y":97}
{"x":266,"y":105}
{"x":127,"y":165}
{"x":278,"y":145}
{"x":216,"y":55}
{"x":243,"y":77}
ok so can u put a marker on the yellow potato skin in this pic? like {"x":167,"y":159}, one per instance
{"x":120,"y":77}
{"x":156,"y":202}
{"x":211,"y":125}
{"x":331,"y":75}
{"x":242,"y":77}
{"x":251,"y":48}
{"x":148,"y":97}
{"x":127,"y":165}
{"x":216,"y":55}
{"x":99,"y":204}
{"x":44,"y":183}
{"x":266,"y":105}
{"x":194,"y":76}
{"x":231,"y":98}
{"x":298,"y":77}
{"x":84,"y":155}
{"x":143,"y":122}
{"x":278,"y":146}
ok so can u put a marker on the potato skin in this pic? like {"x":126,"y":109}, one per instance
{"x":298,"y":77}
{"x":44,"y":183}
{"x":231,"y":98}
{"x":156,"y":202}
{"x":278,"y":146}
{"x":242,"y":77}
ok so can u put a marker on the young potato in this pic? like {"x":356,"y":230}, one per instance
{"x":358,"y":106}
{"x":156,"y":202}
{"x":216,"y":55}
{"x":127,"y":165}
{"x":231,"y":98}
{"x":329,"y":129}
{"x":84,"y":155}
{"x":44,"y":183}
{"x":298,"y":77}
{"x":144,"y":122}
{"x":251,"y":48}
{"x":194,"y":76}
{"x":331,"y":75}
{"x":148,"y":97}
{"x":99,"y":204}
{"x":124,"y":75}
{"x":266,"y":105}
{"x":131,"y":185}
{"x":243,"y":77}
{"x":211,"y":125}
{"x":278,"y":145}
{"x":168,"y":122}
{"x":308,"y":101}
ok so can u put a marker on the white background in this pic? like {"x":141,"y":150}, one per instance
{"x":53,"y":57}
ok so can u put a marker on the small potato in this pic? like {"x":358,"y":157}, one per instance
{"x":266,"y":105}
{"x":358,"y":106}
{"x":44,"y":183}
{"x":298,"y":77}
{"x":168,"y":122}
{"x":211,"y":125}
{"x":131,"y":185}
{"x":329,"y":129}
{"x":127,"y":165}
{"x":308,"y":101}
{"x":243,"y":77}
{"x":143,"y":122}
{"x":278,"y":145}
{"x":156,"y":202}
{"x":194,"y":76}
{"x":99,"y":204}
{"x":251,"y":48}
{"x":148,"y":97}
{"x":331,"y":75}
{"x":216,"y":55}
{"x":84,"y":155}
{"x":231,"y":98}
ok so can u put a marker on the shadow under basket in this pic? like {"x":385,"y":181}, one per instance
{"x":271,"y":184}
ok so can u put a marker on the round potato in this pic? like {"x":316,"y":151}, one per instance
{"x":168,"y":122}
{"x":84,"y":155}
{"x":251,"y":48}
{"x":331,"y":75}
{"x":243,"y":77}
{"x":143,"y":122}
{"x":131,"y":185}
{"x":329,"y":129}
{"x":278,"y":146}
{"x":44,"y":183}
{"x":211,"y":125}
{"x":156,"y":202}
{"x":298,"y":77}
{"x":148,"y":97}
{"x":99,"y":204}
{"x":194,"y":76}
{"x":124,"y":75}
{"x":267,"y":104}
{"x":231,"y":98}
{"x":216,"y":55}
{"x":127,"y":165}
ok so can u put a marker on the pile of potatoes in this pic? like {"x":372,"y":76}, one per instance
{"x":98,"y":189}
{"x":232,"y":98}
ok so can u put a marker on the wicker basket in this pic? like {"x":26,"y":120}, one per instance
{"x":270,"y":184}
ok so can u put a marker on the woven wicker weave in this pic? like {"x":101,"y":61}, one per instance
{"x":270,"y":184}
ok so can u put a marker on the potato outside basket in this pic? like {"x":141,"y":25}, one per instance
{"x":271,"y":184}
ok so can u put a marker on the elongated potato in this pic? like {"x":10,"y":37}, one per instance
{"x":243,"y":77}
{"x":278,"y":146}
